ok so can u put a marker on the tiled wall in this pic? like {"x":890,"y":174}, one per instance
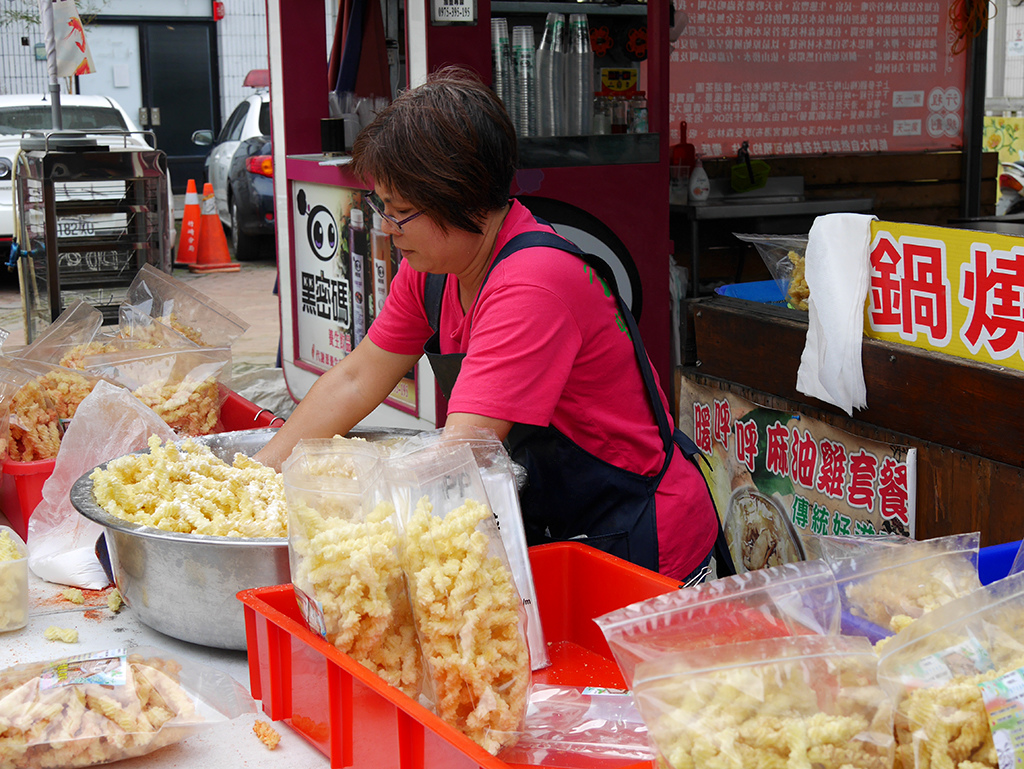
{"x":242,"y":46}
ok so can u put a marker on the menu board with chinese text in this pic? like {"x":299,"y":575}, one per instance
{"x":804,"y":77}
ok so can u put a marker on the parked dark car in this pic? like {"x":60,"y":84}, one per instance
{"x":240,"y":167}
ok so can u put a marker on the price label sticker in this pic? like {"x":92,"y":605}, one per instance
{"x":453,"y":11}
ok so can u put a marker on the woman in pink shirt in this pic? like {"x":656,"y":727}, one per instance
{"x":525,"y":337}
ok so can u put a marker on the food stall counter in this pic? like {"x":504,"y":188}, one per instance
{"x":227,"y":744}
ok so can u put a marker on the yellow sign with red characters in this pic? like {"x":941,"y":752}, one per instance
{"x":954,"y":291}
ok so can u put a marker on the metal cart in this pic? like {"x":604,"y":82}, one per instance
{"x":90,"y":216}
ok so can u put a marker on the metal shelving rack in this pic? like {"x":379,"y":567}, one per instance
{"x":90,"y":216}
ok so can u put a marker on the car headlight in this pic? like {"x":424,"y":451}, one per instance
{"x":5,"y":169}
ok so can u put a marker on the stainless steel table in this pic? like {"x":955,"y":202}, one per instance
{"x":745,"y":207}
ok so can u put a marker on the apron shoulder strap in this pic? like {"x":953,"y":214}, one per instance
{"x":433,"y":292}
{"x":433,"y":287}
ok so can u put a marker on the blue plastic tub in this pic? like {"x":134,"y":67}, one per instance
{"x":994,"y":562}
{"x":764,"y":291}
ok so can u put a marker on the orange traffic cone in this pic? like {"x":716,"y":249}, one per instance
{"x":212,"y":255}
{"x":188,"y":241}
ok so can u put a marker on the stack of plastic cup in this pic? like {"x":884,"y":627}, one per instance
{"x":524,"y":84}
{"x":501,"y":62}
{"x":579,"y":78}
{"x":551,"y":78}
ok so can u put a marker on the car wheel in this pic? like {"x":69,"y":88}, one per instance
{"x":245,"y":247}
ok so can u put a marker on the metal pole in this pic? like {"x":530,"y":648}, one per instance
{"x":46,"y":10}
{"x":974,"y":123}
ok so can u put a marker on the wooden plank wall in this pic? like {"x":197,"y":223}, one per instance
{"x":921,"y":187}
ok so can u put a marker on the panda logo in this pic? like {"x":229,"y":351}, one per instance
{"x":321,"y":228}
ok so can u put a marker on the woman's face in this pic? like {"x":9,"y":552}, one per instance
{"x":422,"y":242}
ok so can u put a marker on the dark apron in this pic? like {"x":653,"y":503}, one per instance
{"x":570,"y":493}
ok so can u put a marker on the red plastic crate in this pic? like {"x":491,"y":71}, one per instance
{"x":21,"y":483}
{"x":357,"y":720}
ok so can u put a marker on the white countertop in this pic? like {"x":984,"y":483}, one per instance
{"x":231,"y":744}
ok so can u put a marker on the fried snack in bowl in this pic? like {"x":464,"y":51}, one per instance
{"x":176,"y":580}
{"x":186,"y":488}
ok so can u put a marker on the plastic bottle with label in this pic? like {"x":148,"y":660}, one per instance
{"x":358,"y":242}
{"x":700,"y":185}
{"x":380,"y":252}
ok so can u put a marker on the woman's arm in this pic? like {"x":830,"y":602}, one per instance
{"x":339,"y":399}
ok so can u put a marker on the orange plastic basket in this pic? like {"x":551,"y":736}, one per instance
{"x":357,"y":720}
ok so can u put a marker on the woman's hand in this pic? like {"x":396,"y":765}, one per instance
{"x":339,"y":399}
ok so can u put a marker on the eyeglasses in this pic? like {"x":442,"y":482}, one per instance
{"x":378,"y":207}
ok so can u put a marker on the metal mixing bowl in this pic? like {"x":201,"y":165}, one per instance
{"x":184,"y":585}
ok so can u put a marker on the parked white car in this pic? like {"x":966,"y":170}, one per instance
{"x":31,"y":112}
{"x":241,"y":171}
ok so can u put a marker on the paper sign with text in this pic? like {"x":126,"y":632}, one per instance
{"x":959,"y":292}
{"x":777,"y":476}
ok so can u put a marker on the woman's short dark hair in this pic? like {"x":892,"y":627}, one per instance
{"x":447,"y":147}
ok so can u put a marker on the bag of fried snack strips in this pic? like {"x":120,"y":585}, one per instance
{"x":784,"y":257}
{"x":176,"y":304}
{"x":891,"y":587}
{"x":34,"y":426}
{"x":468,"y":613}
{"x":956,"y":677}
{"x":186,"y":386}
{"x":13,"y":580}
{"x":76,"y":332}
{"x":11,"y":382}
{"x":343,"y":544}
{"x":498,"y":473}
{"x":109,"y":705}
{"x":793,"y":599}
{"x":801,"y":701}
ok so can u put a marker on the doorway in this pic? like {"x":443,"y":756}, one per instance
{"x":163,"y":74}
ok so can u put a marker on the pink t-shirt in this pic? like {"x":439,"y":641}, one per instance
{"x":545,"y":345}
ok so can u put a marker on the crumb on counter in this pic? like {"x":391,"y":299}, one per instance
{"x":114,"y":600}
{"x":74,"y":595}
{"x":268,"y":735}
{"x":66,"y":635}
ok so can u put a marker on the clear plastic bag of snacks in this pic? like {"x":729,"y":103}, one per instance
{"x":74,"y":333}
{"x":796,"y":701}
{"x":953,"y":674}
{"x":187,"y":311}
{"x":344,"y":551}
{"x":784,"y":257}
{"x":468,"y":613}
{"x":185,"y":386}
{"x":34,"y":429}
{"x":13,"y":580}
{"x":11,"y":382}
{"x":588,"y":727}
{"x":108,"y":705}
{"x":792,"y":599}
{"x":498,"y":473}
{"x":889,"y":587}
{"x":831,"y":548}
{"x":138,"y":330}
